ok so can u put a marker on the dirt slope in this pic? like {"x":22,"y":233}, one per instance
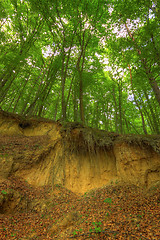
{"x":45,"y":152}
{"x":112,"y":212}
{"x":64,"y":181}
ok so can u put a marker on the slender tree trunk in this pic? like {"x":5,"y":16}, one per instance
{"x":132,"y":126}
{"x":16,"y":62}
{"x":64,"y":75}
{"x":79,"y":70}
{"x":63,"y":87}
{"x":56,"y":107}
{"x":21,"y":92}
{"x":137,"y":104}
{"x":127,"y":125}
{"x":147,"y":114}
{"x":80,"y":66}
{"x":151,"y":79}
{"x":5,"y":89}
{"x":116,"y":110}
{"x":154,"y":117}
{"x":120,"y":106}
{"x":105,"y":112}
{"x":81,"y":97}
{"x":75,"y":101}
{"x":70,"y":89}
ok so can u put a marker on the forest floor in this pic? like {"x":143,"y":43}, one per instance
{"x":111,"y":212}
{"x":54,"y":212}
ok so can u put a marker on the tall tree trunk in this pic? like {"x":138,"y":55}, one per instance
{"x":75,"y":101}
{"x":154,"y":117}
{"x":63,"y":87}
{"x":152,"y":80}
{"x":120,"y":106}
{"x":21,"y":92}
{"x":56,"y":107}
{"x":64,"y":75}
{"x":129,"y":123}
{"x":80,"y":66}
{"x":80,"y":71}
{"x":81,"y":97}
{"x":116,"y":110}
{"x":137,"y":104}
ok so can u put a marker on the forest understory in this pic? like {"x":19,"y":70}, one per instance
{"x":115,"y":211}
{"x":111,"y":212}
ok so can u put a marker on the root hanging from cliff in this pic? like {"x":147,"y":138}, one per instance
{"x":78,"y":138}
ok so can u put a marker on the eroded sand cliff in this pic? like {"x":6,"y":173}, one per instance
{"x":46,"y":152}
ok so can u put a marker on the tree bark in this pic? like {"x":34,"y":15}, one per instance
{"x":137,"y":104}
{"x":152,"y":80}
